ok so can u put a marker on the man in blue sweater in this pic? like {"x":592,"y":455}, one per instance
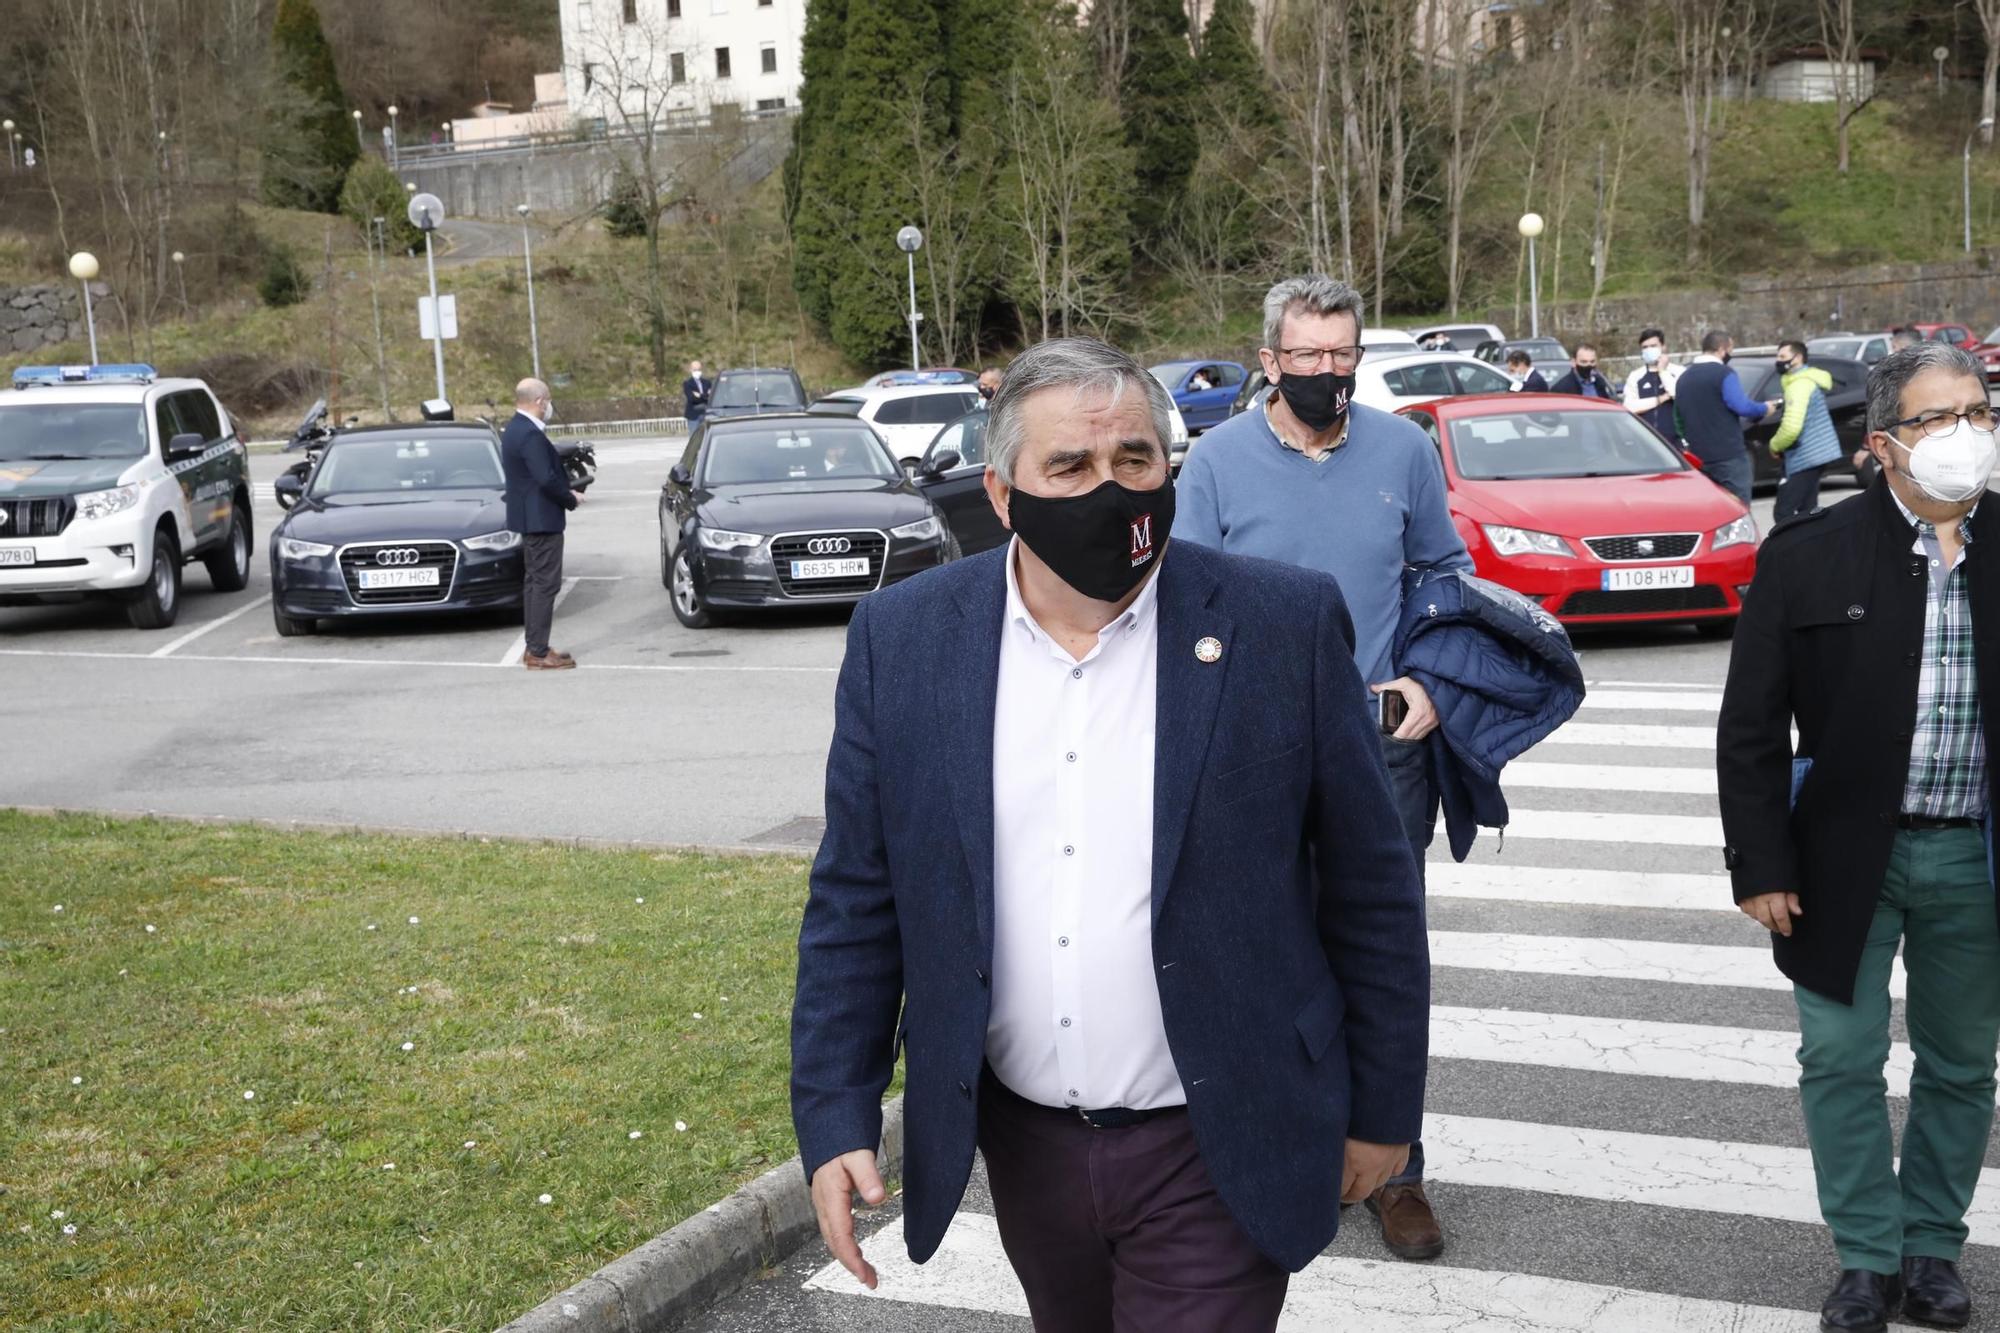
{"x":1713,"y":408}
{"x":1315,"y":479}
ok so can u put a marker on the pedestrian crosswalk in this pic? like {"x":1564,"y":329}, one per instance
{"x":1613,"y":1083}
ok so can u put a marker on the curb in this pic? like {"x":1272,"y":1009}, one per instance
{"x":683,"y":1270}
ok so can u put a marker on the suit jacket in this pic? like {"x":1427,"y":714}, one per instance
{"x":1573,"y":383}
{"x":1533,"y":384}
{"x":538,"y":494}
{"x":1288,"y":924}
{"x":1830,"y":637}
{"x":695,"y":396}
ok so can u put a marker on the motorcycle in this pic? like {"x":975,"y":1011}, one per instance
{"x":312,"y":435}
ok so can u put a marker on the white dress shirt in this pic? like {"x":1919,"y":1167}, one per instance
{"x":1075,"y":1019}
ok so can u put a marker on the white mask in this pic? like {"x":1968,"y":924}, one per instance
{"x":1650,"y":355}
{"x":1955,"y":467}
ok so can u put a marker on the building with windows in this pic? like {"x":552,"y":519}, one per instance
{"x":686,"y":56}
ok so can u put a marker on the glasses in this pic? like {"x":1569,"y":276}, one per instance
{"x":1980,"y":418}
{"x":1305,"y":360}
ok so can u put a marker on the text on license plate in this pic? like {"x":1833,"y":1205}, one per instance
{"x":374,"y":579}
{"x":856,"y":568}
{"x":1644,"y":580}
{"x":17,"y":555}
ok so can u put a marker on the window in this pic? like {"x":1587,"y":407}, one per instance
{"x":631,"y":11}
{"x":589,"y":76}
{"x":721,"y":62}
{"x":1428,"y":381}
{"x":769,"y":57}
{"x":1479,"y":379}
{"x":677,"y":70}
{"x":770,"y":104}
{"x":763,"y":4}
{"x":673,"y":9}
{"x":928,"y":409}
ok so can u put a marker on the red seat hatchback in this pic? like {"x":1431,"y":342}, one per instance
{"x":1578,"y":504}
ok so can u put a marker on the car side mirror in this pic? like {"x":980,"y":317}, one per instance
{"x":938,"y":464}
{"x":289,"y":488}
{"x":680,"y":476}
{"x":187,"y":445}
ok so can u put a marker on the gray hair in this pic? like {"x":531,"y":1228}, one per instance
{"x":1893,"y":373}
{"x":1079,"y":364}
{"x":1313,"y":294}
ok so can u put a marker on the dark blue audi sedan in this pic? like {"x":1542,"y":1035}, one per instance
{"x":395,"y":520}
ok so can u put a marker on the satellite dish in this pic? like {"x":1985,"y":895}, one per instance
{"x":426,"y":212}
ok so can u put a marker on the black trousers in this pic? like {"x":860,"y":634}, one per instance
{"x":541,"y":558}
{"x":1798,"y":493}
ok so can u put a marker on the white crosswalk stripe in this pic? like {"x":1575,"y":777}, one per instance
{"x":1659,"y":929}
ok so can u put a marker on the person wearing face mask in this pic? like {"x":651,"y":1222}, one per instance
{"x":1712,"y":407}
{"x":1521,"y":370}
{"x":1315,"y":479}
{"x":696,"y":390}
{"x":1649,"y":388}
{"x":1805,"y":438}
{"x":1107,"y":823}
{"x":1584,"y":377}
{"x":1873,"y":627}
{"x":539,"y":498}
{"x":989,"y":384}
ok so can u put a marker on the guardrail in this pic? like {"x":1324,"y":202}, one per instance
{"x":579,"y":134}
{"x":640,"y":426}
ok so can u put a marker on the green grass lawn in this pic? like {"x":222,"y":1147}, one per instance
{"x":550,"y":1016}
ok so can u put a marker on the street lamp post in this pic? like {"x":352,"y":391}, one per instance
{"x":13,"y":156}
{"x":1530,"y":227}
{"x":426,"y":212}
{"x":180,"y":273}
{"x":909,"y":240}
{"x":1966,"y":178}
{"x":83,"y":267}
{"x":392,"y":135}
{"x":360,"y":139}
{"x":528,"y":258}
{"x":1940,"y":54}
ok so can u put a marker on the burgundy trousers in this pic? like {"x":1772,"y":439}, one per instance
{"x":1119,"y":1230}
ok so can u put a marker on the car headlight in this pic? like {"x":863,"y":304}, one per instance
{"x":1523,"y":541}
{"x":1742,"y":532}
{"x":722,"y":539}
{"x":923,"y":530}
{"x":503,"y":540}
{"x":291,"y":548}
{"x":103,"y":504}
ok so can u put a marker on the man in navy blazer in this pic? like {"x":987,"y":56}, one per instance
{"x":539,"y":499}
{"x":696,"y":390}
{"x":1108,"y":825}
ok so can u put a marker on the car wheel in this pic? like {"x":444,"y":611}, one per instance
{"x":1716,"y":629}
{"x":688,"y":607}
{"x":156,"y":603}
{"x":291,"y":627}
{"x":229,"y":567}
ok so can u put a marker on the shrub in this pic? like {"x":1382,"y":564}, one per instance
{"x":284,"y":282}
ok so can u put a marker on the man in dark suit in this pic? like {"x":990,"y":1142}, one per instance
{"x":1874,"y":626}
{"x":1583,"y":376}
{"x":695,"y":393}
{"x":1108,"y":821}
{"x":539,"y":499}
{"x":1521,"y":370}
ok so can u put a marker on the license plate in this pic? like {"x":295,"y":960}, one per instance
{"x":856,"y":568}
{"x":17,"y":555}
{"x":375,"y":579}
{"x":1644,"y":580}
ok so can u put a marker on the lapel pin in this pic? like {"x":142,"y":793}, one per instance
{"x":1208,"y":650}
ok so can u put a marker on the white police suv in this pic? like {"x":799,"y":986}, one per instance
{"x":111,"y":479}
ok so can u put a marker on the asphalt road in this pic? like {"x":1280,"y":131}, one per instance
{"x":469,"y":239}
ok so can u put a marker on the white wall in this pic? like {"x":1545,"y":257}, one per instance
{"x":1813,"y":81}
{"x":640,"y":54}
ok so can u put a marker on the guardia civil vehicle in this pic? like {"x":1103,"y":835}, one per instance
{"x":111,"y":479}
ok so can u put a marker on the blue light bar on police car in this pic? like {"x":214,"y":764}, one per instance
{"x":31,"y":377}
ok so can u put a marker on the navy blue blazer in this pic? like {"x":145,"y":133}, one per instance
{"x":1288,"y":925}
{"x":538,"y":495}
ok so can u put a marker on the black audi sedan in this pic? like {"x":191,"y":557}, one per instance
{"x":794,"y":510}
{"x":395,"y":520}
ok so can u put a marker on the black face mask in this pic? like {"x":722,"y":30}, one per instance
{"x":1318,"y":400}
{"x":986,"y":393}
{"x":1101,"y":543}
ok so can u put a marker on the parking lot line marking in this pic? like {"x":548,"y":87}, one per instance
{"x":519,"y":649}
{"x":199,"y":630}
{"x":1651,"y":685}
{"x":1579,"y":888}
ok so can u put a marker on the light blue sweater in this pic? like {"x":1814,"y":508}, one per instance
{"x":1376,"y":505}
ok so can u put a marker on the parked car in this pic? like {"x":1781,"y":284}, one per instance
{"x":952,"y":476}
{"x":1202,"y":390}
{"x":1578,"y":504}
{"x":1547,"y":355}
{"x":790,"y":510}
{"x":1386,"y":339}
{"x":757,"y":390}
{"x":1464,"y":337}
{"x":1390,"y":380}
{"x":395,"y":520}
{"x":905,"y":415}
{"x":1848,"y":404}
{"x":1955,"y":334}
{"x":1987,"y":349}
{"x":1867,"y":348}
{"x":928,"y":375}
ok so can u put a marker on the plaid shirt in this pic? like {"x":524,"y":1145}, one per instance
{"x":1947,"y":776}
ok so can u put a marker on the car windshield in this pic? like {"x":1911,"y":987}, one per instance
{"x":1846,"y":348}
{"x":795,"y":452}
{"x":55,"y":431}
{"x":408,"y":463}
{"x":1170,"y":374}
{"x":840,"y":407}
{"x":1521,"y":446}
{"x":763,"y":388}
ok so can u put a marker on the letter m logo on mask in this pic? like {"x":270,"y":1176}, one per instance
{"x":1142,"y":540}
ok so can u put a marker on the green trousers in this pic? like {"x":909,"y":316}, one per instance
{"x":1938,"y":901}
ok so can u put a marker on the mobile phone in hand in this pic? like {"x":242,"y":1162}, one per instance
{"x":1390,"y":710}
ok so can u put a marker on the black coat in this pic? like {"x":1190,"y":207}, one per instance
{"x":695,"y":395}
{"x":1830,"y":637}
{"x":539,"y":497}
{"x":1573,"y":383}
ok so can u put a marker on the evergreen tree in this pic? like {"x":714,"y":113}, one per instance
{"x":372,"y":191}
{"x":311,"y":141}
{"x":625,"y":206}
{"x":1156,"y":93}
{"x":811,"y":209}
{"x":1230,"y":71}
{"x":984,"y":40}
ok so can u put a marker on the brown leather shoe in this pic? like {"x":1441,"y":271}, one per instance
{"x":557,"y":652}
{"x":1409,"y":1227}
{"x":550,"y":662}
